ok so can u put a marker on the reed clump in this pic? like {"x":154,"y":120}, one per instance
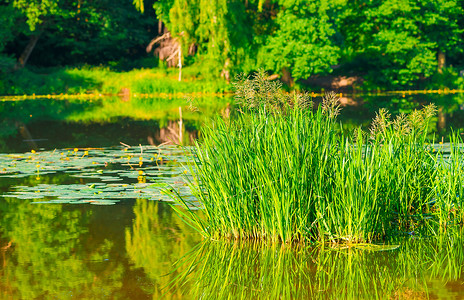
{"x":284,"y":171}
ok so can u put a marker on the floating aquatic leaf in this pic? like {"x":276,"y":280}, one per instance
{"x":112,"y":179}
{"x":56,"y":201}
{"x":25,"y":196}
{"x":15,"y":176}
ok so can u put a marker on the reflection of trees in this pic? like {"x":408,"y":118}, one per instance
{"x":418,"y":269}
{"x":17,"y":115}
{"x":48,"y":257}
{"x":42,"y":262}
{"x":100,"y":122}
{"x":157,"y":240}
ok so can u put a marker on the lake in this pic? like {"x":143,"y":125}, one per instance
{"x":84,"y":211}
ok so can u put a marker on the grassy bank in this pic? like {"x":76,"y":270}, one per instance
{"x":106,"y":81}
{"x":116,"y":80}
{"x":282,"y":171}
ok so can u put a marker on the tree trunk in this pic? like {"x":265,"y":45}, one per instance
{"x":22,"y":60}
{"x":441,"y":61}
{"x":287,"y":77}
{"x":160,"y":27}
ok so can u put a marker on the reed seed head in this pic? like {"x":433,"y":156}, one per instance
{"x":380,"y":124}
{"x":331,"y":104}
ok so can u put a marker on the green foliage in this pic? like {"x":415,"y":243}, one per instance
{"x":37,"y":10}
{"x":400,"y":39}
{"x":448,"y":78}
{"x":139,"y":5}
{"x":73,"y":32}
{"x":222,"y":30}
{"x":390,"y":44}
{"x":7,"y":18}
{"x":305,"y":39}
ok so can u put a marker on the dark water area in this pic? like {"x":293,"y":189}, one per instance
{"x":86,"y":217}
{"x":360,"y":110}
{"x":104,"y":122}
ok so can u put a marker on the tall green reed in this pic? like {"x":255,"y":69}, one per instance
{"x":449,"y":184}
{"x":282,"y":171}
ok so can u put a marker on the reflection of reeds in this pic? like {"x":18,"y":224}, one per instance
{"x":155,"y":241}
{"x":259,"y":271}
{"x":283,"y":172}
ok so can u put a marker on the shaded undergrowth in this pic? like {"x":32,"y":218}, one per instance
{"x":284,"y":171}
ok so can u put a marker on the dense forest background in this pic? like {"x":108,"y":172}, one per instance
{"x":387,"y":44}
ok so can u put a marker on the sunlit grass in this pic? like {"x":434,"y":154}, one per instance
{"x":96,"y":80}
{"x":281,"y":171}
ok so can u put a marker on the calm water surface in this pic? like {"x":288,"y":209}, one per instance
{"x":94,"y":222}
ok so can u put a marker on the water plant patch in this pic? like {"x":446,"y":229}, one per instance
{"x":284,"y":171}
{"x":95,"y":176}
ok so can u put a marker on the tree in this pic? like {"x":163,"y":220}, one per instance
{"x":293,"y":36}
{"x":72,"y":31}
{"x":7,"y":18}
{"x":305,"y":42}
{"x":222,"y":31}
{"x":35,"y":12}
{"x":400,"y":40}
{"x":439,"y":22}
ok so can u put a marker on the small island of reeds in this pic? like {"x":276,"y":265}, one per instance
{"x":285,"y":170}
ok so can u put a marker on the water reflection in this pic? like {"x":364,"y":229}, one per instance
{"x":44,"y":241}
{"x":418,"y":269}
{"x":359,"y":110}
{"x":50,"y":123}
{"x":141,"y":249}
{"x":103,"y":122}
{"x":157,"y":239}
{"x":64,"y":252}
